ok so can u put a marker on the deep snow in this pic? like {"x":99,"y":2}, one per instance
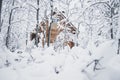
{"x":46,"y":64}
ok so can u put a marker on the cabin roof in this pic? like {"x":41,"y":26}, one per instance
{"x":59,"y":17}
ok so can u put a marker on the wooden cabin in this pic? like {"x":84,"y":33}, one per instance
{"x":57,"y":26}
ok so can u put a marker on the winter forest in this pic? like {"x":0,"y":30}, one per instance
{"x":59,"y":39}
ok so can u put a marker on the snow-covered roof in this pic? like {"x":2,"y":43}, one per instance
{"x":61,"y":20}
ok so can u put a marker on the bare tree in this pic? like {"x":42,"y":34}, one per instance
{"x":118,"y":50}
{"x":37,"y":25}
{"x":0,"y":14}
{"x":114,"y":7}
{"x":9,"y":24}
{"x":49,"y":31}
{"x":118,"y":33}
{"x":104,"y":22}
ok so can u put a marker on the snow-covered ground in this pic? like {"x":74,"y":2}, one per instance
{"x":74,"y":64}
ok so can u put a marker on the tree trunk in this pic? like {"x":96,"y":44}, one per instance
{"x":37,"y":25}
{"x":45,"y":29}
{"x":49,"y":30}
{"x":118,"y":51}
{"x":0,"y":14}
{"x":111,"y":23}
{"x":111,"y":33}
{"x":9,"y":27}
{"x":27,"y":26}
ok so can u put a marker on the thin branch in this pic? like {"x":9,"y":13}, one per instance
{"x":17,"y":21}
{"x":32,"y":6}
